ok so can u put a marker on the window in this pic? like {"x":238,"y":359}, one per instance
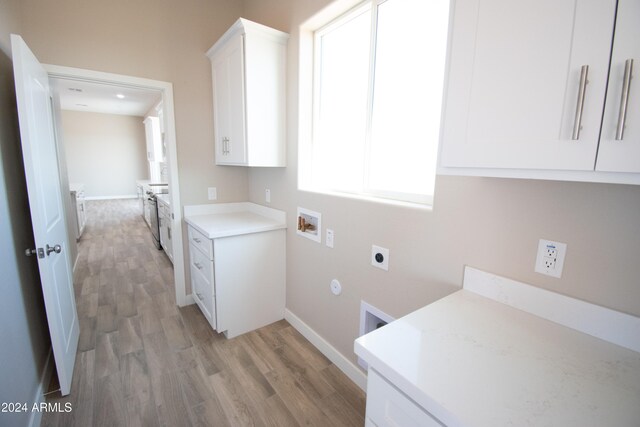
{"x":378,"y":79}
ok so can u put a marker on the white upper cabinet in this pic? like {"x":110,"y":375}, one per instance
{"x":527,"y":85}
{"x":155,"y":151}
{"x":248,"y":70}
{"x":620,"y":140}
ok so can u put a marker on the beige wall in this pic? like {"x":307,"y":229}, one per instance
{"x":491,"y":224}
{"x":105,"y":152}
{"x":162,"y":40}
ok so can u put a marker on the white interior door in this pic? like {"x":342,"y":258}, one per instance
{"x":45,"y":201}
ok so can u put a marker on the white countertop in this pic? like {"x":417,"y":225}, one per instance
{"x":75,"y":187}
{"x":472,"y":361}
{"x":232,"y":219}
{"x":164,"y":198}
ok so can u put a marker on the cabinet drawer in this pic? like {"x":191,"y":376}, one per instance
{"x":201,"y":242}
{"x":201,"y":264}
{"x":204,"y":296}
{"x":387,"y":406}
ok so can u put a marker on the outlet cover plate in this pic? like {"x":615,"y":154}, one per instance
{"x":212,"y":193}
{"x":380,"y":257}
{"x":550,"y":258}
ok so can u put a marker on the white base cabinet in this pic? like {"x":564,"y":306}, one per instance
{"x":79,"y":202}
{"x":389,"y":407}
{"x":238,"y":281}
{"x":165,"y":221}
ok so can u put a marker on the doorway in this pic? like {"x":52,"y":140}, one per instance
{"x":165,"y":89}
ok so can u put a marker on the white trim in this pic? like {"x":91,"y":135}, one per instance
{"x":354,"y":373}
{"x":56,"y":71}
{"x":549,"y":175}
{"x":609,"y":325}
{"x":45,"y":377}
{"x":128,"y":196}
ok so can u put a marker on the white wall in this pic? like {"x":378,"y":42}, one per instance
{"x":23,"y":332}
{"x":491,"y":224}
{"x":105,"y":152}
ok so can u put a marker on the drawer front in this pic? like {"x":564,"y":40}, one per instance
{"x":203,"y":295}
{"x":201,"y":242}
{"x":389,"y":407}
{"x":200,"y":264}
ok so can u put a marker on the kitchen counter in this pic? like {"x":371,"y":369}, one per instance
{"x":233,"y":219}
{"x":75,"y":188}
{"x":164,"y":198}
{"x":473,"y":361}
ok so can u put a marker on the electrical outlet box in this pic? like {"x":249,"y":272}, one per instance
{"x":380,"y":257}
{"x":329,"y":238}
{"x":212,"y":193}
{"x":550,"y":259}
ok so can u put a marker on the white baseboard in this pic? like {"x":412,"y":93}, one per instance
{"x":188,"y":300}
{"x":45,"y":377}
{"x":127,"y":196}
{"x":345,"y":365}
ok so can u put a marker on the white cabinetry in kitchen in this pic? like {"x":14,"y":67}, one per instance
{"x":165,"y":219}
{"x":155,"y":150}
{"x":248,"y":70}
{"x":527,"y":85}
{"x":78,"y":201}
{"x":237,"y":264}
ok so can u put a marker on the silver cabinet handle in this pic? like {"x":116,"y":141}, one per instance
{"x":582,"y":88}
{"x":624,"y":99}
{"x":225,"y":145}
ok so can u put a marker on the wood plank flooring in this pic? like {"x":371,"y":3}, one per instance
{"x":142,"y":361}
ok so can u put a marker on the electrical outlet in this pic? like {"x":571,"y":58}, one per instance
{"x":380,"y":257}
{"x":212,"y":192}
{"x":329,"y":238}
{"x":550,"y":259}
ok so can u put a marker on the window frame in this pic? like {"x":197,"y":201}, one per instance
{"x":365,"y":191}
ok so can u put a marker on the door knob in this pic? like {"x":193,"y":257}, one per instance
{"x":57,"y":249}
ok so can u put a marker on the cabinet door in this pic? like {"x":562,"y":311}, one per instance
{"x":514,"y":79}
{"x":228,"y":103}
{"x":621,"y":152}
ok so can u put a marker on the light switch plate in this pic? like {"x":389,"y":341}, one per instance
{"x":212,"y":193}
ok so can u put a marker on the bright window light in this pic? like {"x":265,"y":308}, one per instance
{"x":378,"y":78}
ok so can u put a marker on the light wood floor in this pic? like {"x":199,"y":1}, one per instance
{"x":142,"y":361}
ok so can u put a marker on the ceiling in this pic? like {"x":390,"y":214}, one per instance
{"x":94,"y":97}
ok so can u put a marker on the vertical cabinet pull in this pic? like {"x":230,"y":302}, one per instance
{"x":624,"y":99}
{"x":225,"y":145}
{"x":582,"y":88}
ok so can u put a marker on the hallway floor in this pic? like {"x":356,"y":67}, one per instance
{"x":143,"y":361}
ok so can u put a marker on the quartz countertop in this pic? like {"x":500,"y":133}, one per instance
{"x":474,"y":362}
{"x":164,"y":198}
{"x":232,"y":219}
{"x":75,"y":187}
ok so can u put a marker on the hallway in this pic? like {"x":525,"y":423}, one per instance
{"x":142,"y":361}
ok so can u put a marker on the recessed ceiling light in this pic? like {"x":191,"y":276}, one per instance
{"x":121,"y":96}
